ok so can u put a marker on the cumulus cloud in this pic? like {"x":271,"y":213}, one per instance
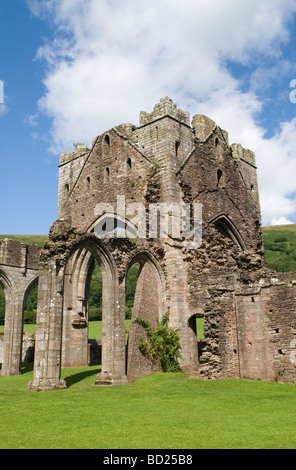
{"x":111,"y":59}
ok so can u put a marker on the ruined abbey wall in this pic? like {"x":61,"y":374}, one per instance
{"x":19,"y":270}
{"x":248,"y":311}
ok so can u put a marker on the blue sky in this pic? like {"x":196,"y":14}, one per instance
{"x":72,"y":69}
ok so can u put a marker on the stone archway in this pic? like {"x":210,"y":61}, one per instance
{"x":77,"y":278}
{"x":8,"y":288}
{"x":149,"y":304}
{"x":61,"y":336}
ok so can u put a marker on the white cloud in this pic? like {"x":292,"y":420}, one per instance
{"x":280,"y":221}
{"x":3,"y":109}
{"x":111,"y":59}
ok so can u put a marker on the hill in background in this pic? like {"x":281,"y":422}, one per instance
{"x":279,"y":244}
{"x":280,"y":247}
{"x":38,"y":240}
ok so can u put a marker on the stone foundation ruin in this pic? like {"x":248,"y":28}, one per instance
{"x":249,"y":311}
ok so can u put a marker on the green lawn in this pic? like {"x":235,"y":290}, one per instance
{"x":161,"y":411}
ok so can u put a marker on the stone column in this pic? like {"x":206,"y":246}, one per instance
{"x":47,"y":362}
{"x":13,"y":335}
{"x":179,"y":306}
{"x":113,"y":333}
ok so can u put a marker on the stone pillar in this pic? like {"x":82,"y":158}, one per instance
{"x":47,"y":362}
{"x":178,"y":285}
{"x":13,"y":335}
{"x":113,"y":333}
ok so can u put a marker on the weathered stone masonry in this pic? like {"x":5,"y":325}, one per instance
{"x":19,"y":271}
{"x":249,"y":311}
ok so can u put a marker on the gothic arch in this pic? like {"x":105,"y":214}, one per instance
{"x":5,"y":279}
{"x":149,"y":304}
{"x":9,"y":289}
{"x":31,"y":286}
{"x":223,"y":223}
{"x":77,"y":274}
{"x":108,"y":223}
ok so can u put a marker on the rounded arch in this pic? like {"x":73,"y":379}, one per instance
{"x":223,"y":223}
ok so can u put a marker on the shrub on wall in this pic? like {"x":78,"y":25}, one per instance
{"x":162,"y":346}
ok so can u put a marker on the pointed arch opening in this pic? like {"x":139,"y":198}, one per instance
{"x":91,"y":294}
{"x":227,"y":228}
{"x":148,"y":304}
{"x":111,"y":225}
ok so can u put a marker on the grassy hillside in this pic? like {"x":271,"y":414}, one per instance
{"x":280,"y":247}
{"x":38,"y":240}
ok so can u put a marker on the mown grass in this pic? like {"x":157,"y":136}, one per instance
{"x":160,"y":411}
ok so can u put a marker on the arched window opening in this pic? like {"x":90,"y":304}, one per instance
{"x":227,"y":229}
{"x":106,"y":146}
{"x":177,"y":148}
{"x":112,"y":227}
{"x":128,"y":165}
{"x":220,"y":178}
{"x":107,"y":174}
{"x":87,"y":185}
{"x":66,"y":190}
{"x":107,"y":140}
{"x":218,"y":150}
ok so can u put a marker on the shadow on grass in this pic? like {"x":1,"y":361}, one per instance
{"x":26,"y":367}
{"x":75,"y":378}
{"x":70,"y":379}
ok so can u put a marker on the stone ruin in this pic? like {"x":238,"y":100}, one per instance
{"x":166,"y":162}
